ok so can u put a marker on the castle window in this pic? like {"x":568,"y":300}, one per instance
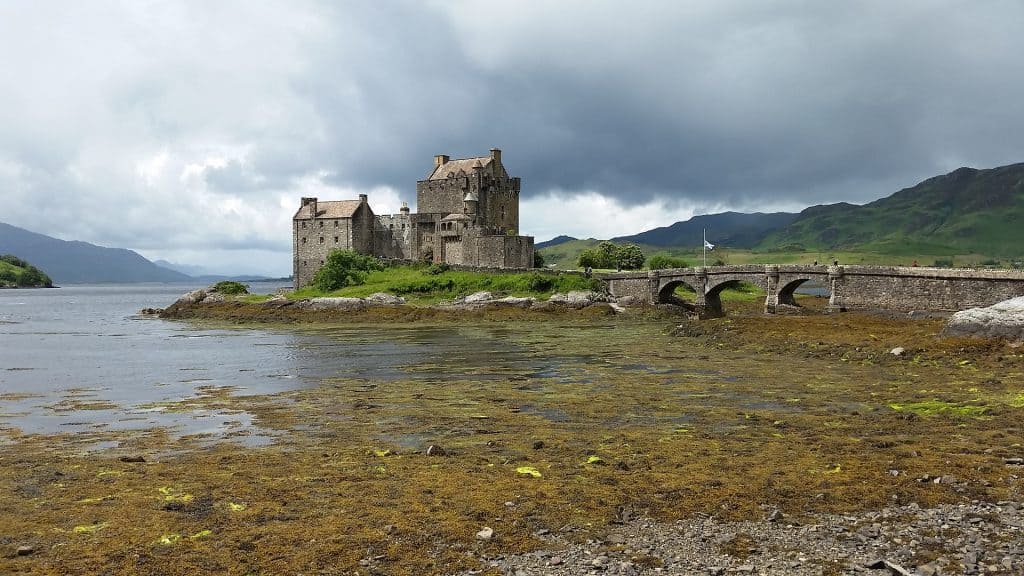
{"x":391,"y":226}
{"x":335,"y":239}
{"x":403,"y":226}
{"x":335,"y":223}
{"x":321,"y":262}
{"x":303,"y":223}
{"x":321,"y":239}
{"x":321,"y":223}
{"x":303,"y":240}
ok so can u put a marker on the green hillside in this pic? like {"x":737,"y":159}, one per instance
{"x":964,"y":212}
{"x":16,"y":273}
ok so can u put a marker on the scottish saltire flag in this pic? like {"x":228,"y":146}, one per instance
{"x":709,"y":245}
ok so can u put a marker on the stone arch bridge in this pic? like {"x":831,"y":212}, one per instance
{"x":848,"y":287}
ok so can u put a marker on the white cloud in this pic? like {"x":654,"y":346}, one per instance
{"x":193,"y":128}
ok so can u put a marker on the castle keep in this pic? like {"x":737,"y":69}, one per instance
{"x":467,"y":213}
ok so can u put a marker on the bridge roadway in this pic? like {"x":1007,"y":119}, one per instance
{"x":849,"y":287}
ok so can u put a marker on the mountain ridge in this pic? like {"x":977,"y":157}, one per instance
{"x":77,"y":262}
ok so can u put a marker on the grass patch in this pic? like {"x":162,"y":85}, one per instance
{"x":427,"y":285}
{"x":938,"y":407}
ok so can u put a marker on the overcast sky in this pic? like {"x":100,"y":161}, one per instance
{"x":189,"y":130}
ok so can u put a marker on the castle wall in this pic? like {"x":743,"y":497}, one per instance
{"x":441,"y":196}
{"x":313,"y":241}
{"x":395,"y":236}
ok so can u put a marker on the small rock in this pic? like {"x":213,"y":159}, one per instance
{"x":485,"y":534}
{"x":538,"y":445}
{"x":555,"y":561}
{"x":133,"y":458}
{"x":1014,"y":461}
{"x":25,"y":550}
{"x":435,"y":450}
{"x":897,"y":351}
{"x":775,"y":515}
{"x":615,"y":538}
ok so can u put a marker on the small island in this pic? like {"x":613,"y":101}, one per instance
{"x":17,"y":273}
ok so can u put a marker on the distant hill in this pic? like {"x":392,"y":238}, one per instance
{"x":553,"y":242}
{"x":81,"y":262}
{"x":203,"y":274}
{"x":967,"y":211}
{"x":732,"y":229}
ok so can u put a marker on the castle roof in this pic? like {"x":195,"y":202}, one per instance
{"x":464,"y":165}
{"x":328,"y":209}
{"x":454,"y":217}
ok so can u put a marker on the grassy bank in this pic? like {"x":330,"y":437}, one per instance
{"x":421,"y":284}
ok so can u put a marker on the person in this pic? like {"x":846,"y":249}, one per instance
{"x":914,"y":264}
{"x":835,"y":262}
{"x":588,"y":272}
{"x":815,"y":262}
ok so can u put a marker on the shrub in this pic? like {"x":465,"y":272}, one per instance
{"x":538,"y":260}
{"x":663,"y":262}
{"x":539,"y":283}
{"x":344,"y":268}
{"x":230,"y":287}
{"x":438,"y":268}
{"x":943,"y":262}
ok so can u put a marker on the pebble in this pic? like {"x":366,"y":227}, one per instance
{"x":966,"y":538}
{"x":25,"y":550}
{"x":486,"y":534}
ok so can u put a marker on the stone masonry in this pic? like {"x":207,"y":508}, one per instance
{"x":849,"y":287}
{"x":468,"y":215}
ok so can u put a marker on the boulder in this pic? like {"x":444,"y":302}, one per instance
{"x":333,"y":304}
{"x":478,"y":298}
{"x":385,"y":299}
{"x":1002,"y":320}
{"x":515,"y":302}
{"x":578,"y":299}
{"x":193,"y":297}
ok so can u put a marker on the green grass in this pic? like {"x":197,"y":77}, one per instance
{"x":15,"y":272}
{"x":417,"y":285}
{"x":937,"y":407}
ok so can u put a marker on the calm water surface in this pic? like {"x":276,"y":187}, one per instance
{"x":81,"y":358}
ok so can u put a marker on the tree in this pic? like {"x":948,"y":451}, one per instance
{"x":662,"y":262}
{"x":630,"y":257}
{"x":344,"y":268}
{"x":538,"y":259}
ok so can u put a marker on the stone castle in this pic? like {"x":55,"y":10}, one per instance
{"x":467,"y":214}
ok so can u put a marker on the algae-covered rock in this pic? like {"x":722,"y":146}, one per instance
{"x":1002,"y":320}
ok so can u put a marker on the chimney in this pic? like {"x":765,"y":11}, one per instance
{"x":362,"y":198}
{"x":311,"y":202}
{"x":496,"y":155}
{"x":405,"y":209}
{"x":441,"y":160}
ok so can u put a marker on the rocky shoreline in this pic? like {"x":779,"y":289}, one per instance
{"x":967,"y":538}
{"x":208,"y":303}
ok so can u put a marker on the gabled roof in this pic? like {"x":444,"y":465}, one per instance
{"x":464,"y":165}
{"x":328,"y":209}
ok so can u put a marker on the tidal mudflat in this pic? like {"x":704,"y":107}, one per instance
{"x":568,"y":426}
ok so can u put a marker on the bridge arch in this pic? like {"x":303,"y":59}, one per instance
{"x":666,"y":292}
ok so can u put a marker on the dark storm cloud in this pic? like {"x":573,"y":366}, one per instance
{"x":188,"y":125}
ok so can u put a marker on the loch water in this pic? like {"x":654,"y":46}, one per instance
{"x":82,"y":358}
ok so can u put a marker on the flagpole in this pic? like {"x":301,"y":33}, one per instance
{"x":705,"y":246}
